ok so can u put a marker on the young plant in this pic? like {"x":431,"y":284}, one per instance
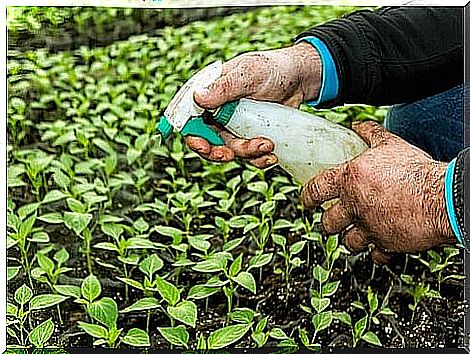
{"x":419,"y":291}
{"x":49,"y":269}
{"x":439,"y":265}
{"x":223,"y":337}
{"x":20,"y":228}
{"x":234,"y":275}
{"x":259,"y":333}
{"x":124,"y":247}
{"x":21,"y":313}
{"x":104,"y":311}
{"x":361,"y":329}
{"x":288,"y":253}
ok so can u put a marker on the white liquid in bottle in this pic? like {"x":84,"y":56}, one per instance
{"x":305,"y":144}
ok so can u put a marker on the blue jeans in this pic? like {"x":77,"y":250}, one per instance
{"x":434,"y":124}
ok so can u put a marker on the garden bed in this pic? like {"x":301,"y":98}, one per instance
{"x":110,"y":228}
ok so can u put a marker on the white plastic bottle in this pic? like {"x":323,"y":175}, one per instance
{"x":305,"y":144}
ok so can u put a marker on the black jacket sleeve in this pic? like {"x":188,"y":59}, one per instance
{"x":461,"y":194}
{"x":395,"y":54}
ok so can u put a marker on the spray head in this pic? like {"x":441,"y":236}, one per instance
{"x":184,"y":115}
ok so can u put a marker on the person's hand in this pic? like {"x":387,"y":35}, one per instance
{"x":288,"y":76}
{"x":390,"y":198}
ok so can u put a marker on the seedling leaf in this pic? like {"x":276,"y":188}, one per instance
{"x":91,"y":288}
{"x":23,"y":294}
{"x":246,"y":280}
{"x":185,"y":312}
{"x":145,"y":304}
{"x":322,"y":320}
{"x":105,"y":311}
{"x":137,"y":338}
{"x":223,"y":337}
{"x":178,"y":336}
{"x":43,"y":301}
{"x":93,"y":330}
{"x":168,"y":291}
{"x":41,"y":333}
{"x":372,"y":338}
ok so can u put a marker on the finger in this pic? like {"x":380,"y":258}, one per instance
{"x":336,"y":219}
{"x":199,"y":145}
{"x":379,"y":257}
{"x":355,"y":240}
{"x":231,"y":86}
{"x":323,"y":187}
{"x":220,"y":154}
{"x":372,"y":132}
{"x":212,"y":153}
{"x":264,"y":161}
{"x":247,"y":148}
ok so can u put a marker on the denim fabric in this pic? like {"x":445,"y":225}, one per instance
{"x":434,"y":124}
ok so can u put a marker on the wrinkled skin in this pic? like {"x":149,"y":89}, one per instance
{"x":288,"y":75}
{"x":390,"y":198}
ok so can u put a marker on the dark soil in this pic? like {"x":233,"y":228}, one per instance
{"x":437,"y":322}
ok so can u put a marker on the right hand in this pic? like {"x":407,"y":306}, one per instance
{"x":288,"y":75}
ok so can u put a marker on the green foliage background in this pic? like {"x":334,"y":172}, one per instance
{"x":84,"y":156}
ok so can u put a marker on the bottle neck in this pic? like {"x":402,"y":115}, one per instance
{"x":225,"y":113}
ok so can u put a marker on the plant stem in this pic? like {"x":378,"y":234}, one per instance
{"x":308,"y":254}
{"x":26,"y":266}
{"x":87,"y":250}
{"x":60,"y":316}
{"x":148,"y":321}
{"x":126,"y":287}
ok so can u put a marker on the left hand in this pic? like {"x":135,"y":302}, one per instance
{"x":390,"y":198}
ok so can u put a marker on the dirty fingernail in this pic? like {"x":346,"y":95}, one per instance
{"x":271,"y":160}
{"x":265,"y":147}
{"x":218,"y":154}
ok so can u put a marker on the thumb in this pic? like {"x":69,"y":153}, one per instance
{"x":372,"y":132}
{"x":229,"y":87}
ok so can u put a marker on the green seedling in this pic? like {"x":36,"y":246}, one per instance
{"x":307,"y":228}
{"x":36,"y":164}
{"x":419,"y":291}
{"x":259,"y":333}
{"x":259,"y":228}
{"x":288,"y":253}
{"x":185,"y":206}
{"x":362,"y":328}
{"x":105,"y":311}
{"x":125,"y":247}
{"x":439,"y":265}
{"x":20,"y":228}
{"x":20,"y":313}
{"x":149,"y":266}
{"x":159,"y":208}
{"x":184,"y":311}
{"x":49,"y":271}
{"x":233,"y":274}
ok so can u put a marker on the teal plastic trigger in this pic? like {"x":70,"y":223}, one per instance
{"x":197,"y":127}
{"x":194,"y":127}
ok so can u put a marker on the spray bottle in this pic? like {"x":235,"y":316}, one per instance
{"x":304,"y":144}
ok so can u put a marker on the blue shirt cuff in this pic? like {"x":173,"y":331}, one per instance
{"x":448,"y":187}
{"x":330,"y":84}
